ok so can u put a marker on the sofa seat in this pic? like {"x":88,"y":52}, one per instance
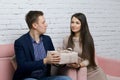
{"x":113,"y":77}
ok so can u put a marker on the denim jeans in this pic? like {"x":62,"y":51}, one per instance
{"x":51,"y":78}
{"x":30,"y":79}
{"x":56,"y":78}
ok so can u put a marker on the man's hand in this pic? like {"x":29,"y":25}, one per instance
{"x":52,"y":58}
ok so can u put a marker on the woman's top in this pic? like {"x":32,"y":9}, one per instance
{"x":77,"y":48}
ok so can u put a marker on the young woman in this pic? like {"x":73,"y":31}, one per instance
{"x":81,"y":41}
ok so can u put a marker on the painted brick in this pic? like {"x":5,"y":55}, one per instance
{"x":103,"y":19}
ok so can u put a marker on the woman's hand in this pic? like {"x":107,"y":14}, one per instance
{"x":74,"y":65}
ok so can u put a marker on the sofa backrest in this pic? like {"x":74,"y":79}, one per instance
{"x":6,"y":50}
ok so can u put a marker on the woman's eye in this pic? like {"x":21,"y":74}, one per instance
{"x":77,"y":23}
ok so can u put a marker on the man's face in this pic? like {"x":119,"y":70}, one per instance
{"x":41,"y":25}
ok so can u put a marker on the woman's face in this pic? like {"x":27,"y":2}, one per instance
{"x":75,"y":25}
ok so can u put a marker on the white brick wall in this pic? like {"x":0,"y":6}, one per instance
{"x":103,"y":18}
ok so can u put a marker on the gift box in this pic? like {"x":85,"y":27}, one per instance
{"x":66,"y":56}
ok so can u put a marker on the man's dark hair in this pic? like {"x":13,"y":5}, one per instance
{"x":32,"y":17}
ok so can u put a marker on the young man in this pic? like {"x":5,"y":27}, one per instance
{"x":33,"y":63}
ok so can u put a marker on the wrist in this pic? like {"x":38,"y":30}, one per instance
{"x":80,"y":65}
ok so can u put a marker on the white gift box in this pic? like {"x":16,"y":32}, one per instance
{"x":66,"y":56}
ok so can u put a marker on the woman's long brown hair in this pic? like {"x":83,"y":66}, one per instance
{"x":88,"y":50}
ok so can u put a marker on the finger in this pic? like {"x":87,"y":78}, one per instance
{"x":55,"y":52}
{"x":56,"y":56}
{"x":56,"y":59}
{"x":52,"y":53}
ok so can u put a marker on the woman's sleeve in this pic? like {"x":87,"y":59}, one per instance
{"x":85,"y":62}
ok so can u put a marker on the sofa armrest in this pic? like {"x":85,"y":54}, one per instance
{"x":7,"y":61}
{"x":6,"y":69}
{"x":110,"y":66}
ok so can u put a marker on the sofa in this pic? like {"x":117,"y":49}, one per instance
{"x":110,"y":67}
{"x":8,"y":64}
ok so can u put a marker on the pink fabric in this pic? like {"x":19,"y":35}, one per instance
{"x":6,"y":50}
{"x":110,"y":66}
{"x":72,"y":74}
{"x":6,"y":69}
{"x":82,"y":74}
{"x":78,"y":75}
{"x":7,"y":66}
{"x":113,"y":77}
{"x":6,"y":63}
